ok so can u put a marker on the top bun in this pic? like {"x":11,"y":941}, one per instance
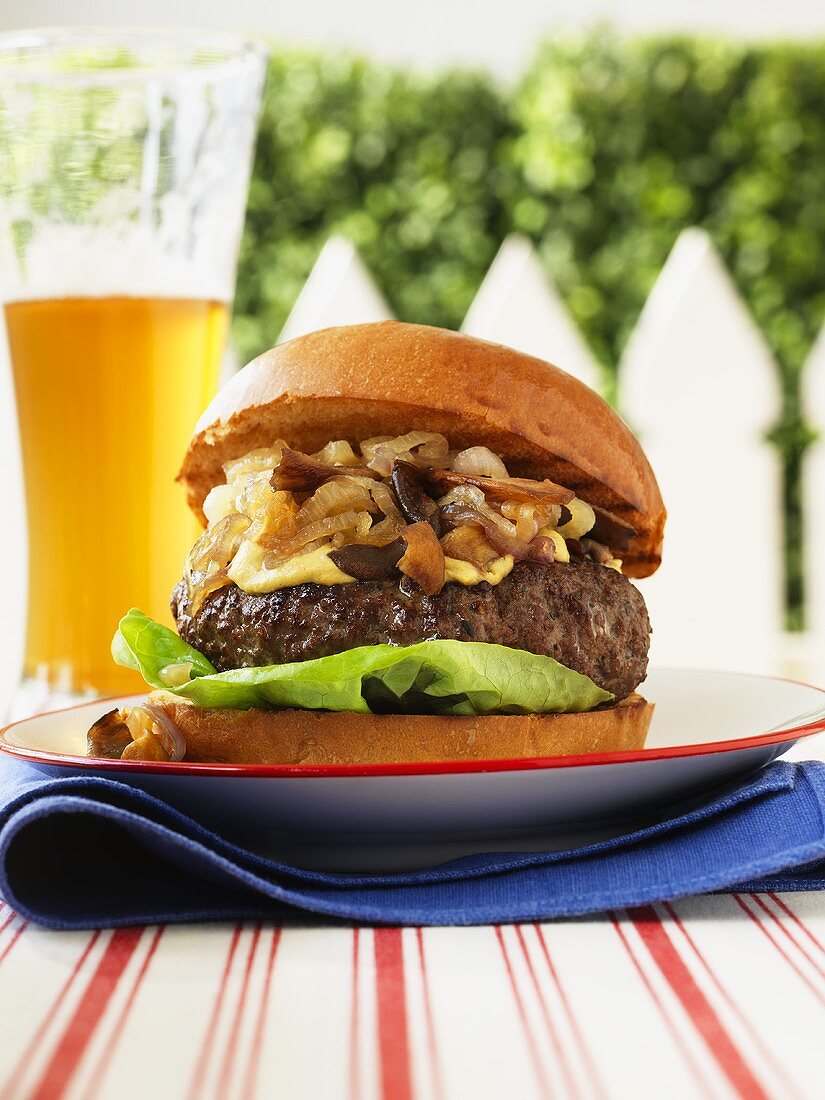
{"x":390,"y":378}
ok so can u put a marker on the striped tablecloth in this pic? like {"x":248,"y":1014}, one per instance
{"x":708,"y":997}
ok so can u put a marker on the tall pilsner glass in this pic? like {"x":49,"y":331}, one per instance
{"x":124,"y":168}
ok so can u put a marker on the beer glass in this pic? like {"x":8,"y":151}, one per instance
{"x":124,"y":168}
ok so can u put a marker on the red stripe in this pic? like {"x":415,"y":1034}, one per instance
{"x":196,"y":1087}
{"x":10,"y":1089}
{"x":7,"y":922}
{"x":18,"y":932}
{"x":675,"y":1033}
{"x":429,"y":1020}
{"x":355,"y":1025}
{"x":788,"y":959}
{"x":764,"y":1050}
{"x":98,"y":1073}
{"x":522,"y":1013}
{"x":702,"y":1014}
{"x":250,"y":1082}
{"x":391,"y":1005}
{"x":232,"y":1040}
{"x":596,"y":1082}
{"x":786,"y":932}
{"x":797,"y":921}
{"x":566,"y":1070}
{"x":87,"y":1015}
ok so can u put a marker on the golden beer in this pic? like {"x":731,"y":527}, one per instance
{"x":108,"y":392}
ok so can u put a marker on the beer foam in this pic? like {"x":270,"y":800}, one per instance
{"x":84,"y":262}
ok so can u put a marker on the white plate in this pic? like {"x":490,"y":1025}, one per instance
{"x":708,"y":729}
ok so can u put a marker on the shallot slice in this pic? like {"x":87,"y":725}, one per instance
{"x":479,"y":462}
{"x":170,"y":737}
{"x":494,"y":527}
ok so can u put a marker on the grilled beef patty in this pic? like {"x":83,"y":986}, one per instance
{"x":585,"y":616}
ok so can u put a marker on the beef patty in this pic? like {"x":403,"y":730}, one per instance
{"x":585,"y":616}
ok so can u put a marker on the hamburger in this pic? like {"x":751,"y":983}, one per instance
{"x":417,"y":546}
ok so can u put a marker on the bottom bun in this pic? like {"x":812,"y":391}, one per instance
{"x":328,"y":737}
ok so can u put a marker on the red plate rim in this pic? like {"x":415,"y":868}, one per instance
{"x":446,"y":767}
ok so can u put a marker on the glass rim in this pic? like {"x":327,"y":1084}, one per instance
{"x":240,"y":53}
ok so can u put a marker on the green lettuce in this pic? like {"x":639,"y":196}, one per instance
{"x":437,"y":677}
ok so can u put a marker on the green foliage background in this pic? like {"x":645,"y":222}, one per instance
{"x":604,"y":151}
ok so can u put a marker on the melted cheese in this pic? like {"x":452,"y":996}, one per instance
{"x":463,"y":572}
{"x":582,"y":518}
{"x":251,"y":575}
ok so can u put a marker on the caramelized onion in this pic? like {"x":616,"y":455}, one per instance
{"x":322,"y":529}
{"x":170,"y":737}
{"x":339,"y":494}
{"x":275,"y":523}
{"x":220,"y":502}
{"x":337,"y":453}
{"x":254,"y":462}
{"x":479,"y":462}
{"x":218,"y":545}
{"x":201,"y":586}
{"x":419,"y":447}
{"x":384,"y":532}
{"x":497,"y":533}
{"x":384,"y":499}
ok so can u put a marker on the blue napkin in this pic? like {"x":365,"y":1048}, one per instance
{"x":90,"y":852}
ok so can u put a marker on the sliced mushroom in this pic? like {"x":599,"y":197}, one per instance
{"x":369,"y":563}
{"x":499,"y":489}
{"x":108,"y":737}
{"x":423,"y":560}
{"x":596,"y":551}
{"x":415,"y":505}
{"x":301,"y":473}
{"x":469,"y":543}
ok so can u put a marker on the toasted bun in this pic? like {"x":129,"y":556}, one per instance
{"x":327,"y":737}
{"x":390,"y":378}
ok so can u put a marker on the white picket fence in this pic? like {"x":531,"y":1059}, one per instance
{"x":700,"y":387}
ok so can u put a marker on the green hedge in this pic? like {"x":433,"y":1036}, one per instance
{"x":404,"y":165}
{"x":605,"y":150}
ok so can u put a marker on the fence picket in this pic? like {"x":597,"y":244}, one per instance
{"x":338,"y":291}
{"x":814,"y":503}
{"x":517,"y":305}
{"x":700,"y":387}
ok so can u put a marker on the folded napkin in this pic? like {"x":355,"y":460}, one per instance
{"x":87,"y":852}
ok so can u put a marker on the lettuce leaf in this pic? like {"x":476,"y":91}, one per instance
{"x":437,"y":677}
